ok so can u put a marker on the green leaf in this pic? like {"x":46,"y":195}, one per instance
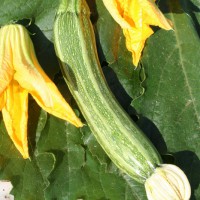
{"x":172,"y":96}
{"x":29,"y":177}
{"x":79,"y":173}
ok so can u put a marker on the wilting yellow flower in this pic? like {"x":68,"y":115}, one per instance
{"x":168,"y":182}
{"x":135,"y":18}
{"x":20,"y":74}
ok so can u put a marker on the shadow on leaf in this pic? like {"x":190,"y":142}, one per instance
{"x":183,"y":6}
{"x":190,"y":164}
{"x":152,"y":132}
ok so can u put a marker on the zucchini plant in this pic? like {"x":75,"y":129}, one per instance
{"x":119,"y":136}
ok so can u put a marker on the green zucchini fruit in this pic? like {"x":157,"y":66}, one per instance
{"x":118,"y":135}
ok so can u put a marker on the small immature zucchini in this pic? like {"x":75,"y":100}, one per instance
{"x":118,"y":135}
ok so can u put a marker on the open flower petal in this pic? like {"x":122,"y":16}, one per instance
{"x":6,"y":69}
{"x":114,"y":7}
{"x":15,"y":115}
{"x":25,"y":72}
{"x":60,"y":108}
{"x":2,"y":101}
{"x":135,"y":18}
{"x":135,"y":41}
{"x":154,"y":16}
{"x":31,"y":77}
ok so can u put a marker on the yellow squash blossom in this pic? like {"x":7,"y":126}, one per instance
{"x":135,"y":18}
{"x":20,"y":74}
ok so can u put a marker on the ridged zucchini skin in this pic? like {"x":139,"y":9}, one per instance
{"x":118,"y":135}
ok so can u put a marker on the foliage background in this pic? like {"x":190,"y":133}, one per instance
{"x":162,"y":95}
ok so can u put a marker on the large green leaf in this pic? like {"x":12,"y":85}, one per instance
{"x":78,"y":172}
{"x":29,"y":177}
{"x":172,"y":96}
{"x":68,"y":163}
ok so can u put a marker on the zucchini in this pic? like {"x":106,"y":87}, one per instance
{"x":119,"y":136}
